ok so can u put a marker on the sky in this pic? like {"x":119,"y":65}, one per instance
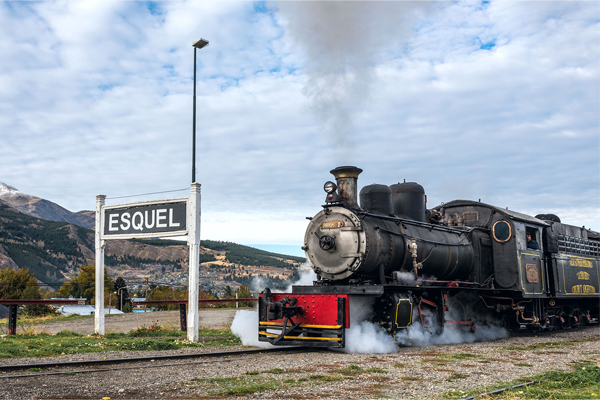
{"x":498,"y":101}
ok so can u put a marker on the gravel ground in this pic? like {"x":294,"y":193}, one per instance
{"x":410,"y":373}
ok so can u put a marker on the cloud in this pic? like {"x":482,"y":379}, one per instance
{"x":496,"y":101}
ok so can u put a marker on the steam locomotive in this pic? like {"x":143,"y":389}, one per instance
{"x":463,"y":262}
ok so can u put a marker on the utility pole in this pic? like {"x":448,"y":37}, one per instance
{"x":146,"y":295}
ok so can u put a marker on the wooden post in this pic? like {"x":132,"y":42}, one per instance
{"x":193,"y":219}
{"x":182,"y":317}
{"x":12,"y":319}
{"x":99,"y":310}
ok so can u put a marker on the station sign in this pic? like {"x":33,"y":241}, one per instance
{"x":145,"y":220}
{"x":151,"y":219}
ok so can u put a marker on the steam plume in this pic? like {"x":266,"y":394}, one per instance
{"x":367,"y":337}
{"x":364,"y":336}
{"x":342,"y":42}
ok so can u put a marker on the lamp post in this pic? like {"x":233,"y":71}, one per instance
{"x":120,"y":293}
{"x":198,"y":44}
{"x":110,"y":300}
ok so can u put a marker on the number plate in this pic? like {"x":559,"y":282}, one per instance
{"x":332,"y":224}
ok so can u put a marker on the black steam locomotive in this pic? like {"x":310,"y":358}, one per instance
{"x":463,"y":262}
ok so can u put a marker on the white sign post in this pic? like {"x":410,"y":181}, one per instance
{"x":151,"y":219}
{"x":194,"y":264}
{"x":99,"y":313}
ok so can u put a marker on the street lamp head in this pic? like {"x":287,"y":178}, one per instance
{"x":200,"y":43}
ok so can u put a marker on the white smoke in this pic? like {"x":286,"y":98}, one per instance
{"x":408,"y":278}
{"x":342,"y":42}
{"x":416,"y":335}
{"x":462,"y":308}
{"x":307,"y":277}
{"x":245,"y":322}
{"x":258,"y":284}
{"x":364,"y":336}
{"x":245,"y":326}
{"x":367,"y":337}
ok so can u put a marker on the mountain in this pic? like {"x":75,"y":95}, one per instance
{"x":49,"y":249}
{"x":54,"y":251}
{"x":44,"y":209}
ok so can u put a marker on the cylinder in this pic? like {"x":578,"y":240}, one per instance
{"x":346,"y":178}
{"x":376,"y":199}
{"x":408,"y":200}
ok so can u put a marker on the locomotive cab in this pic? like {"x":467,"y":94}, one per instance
{"x":515,"y":265}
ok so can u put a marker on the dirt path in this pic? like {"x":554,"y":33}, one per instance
{"x":213,"y":318}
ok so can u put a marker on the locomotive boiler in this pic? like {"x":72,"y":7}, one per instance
{"x":462,"y":262}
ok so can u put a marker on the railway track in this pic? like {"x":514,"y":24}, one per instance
{"x":221,"y":356}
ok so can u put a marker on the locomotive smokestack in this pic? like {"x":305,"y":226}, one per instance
{"x":346,"y":178}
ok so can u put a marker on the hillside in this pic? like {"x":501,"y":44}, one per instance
{"x":54,"y":251}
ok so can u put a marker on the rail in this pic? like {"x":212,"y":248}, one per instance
{"x":183,"y":305}
{"x":218,"y":356}
{"x":15,"y":303}
{"x":13,"y":308}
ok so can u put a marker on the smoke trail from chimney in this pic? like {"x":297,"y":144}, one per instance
{"x":342,"y":42}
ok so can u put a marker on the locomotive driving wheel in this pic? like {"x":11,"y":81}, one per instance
{"x":384,"y":313}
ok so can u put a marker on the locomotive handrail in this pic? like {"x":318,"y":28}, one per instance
{"x":425,"y":240}
{"x":464,"y":228}
{"x":578,"y":245}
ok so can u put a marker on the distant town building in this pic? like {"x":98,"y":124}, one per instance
{"x":83,"y":309}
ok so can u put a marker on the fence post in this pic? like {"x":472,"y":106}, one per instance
{"x":12,"y":319}
{"x":182,"y":317}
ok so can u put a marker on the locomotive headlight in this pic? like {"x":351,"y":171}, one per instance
{"x":329,"y":187}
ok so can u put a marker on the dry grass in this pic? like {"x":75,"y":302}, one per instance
{"x":502,"y":360}
{"x":456,"y":377}
{"x":379,"y":378}
{"x":429,"y":353}
{"x":442,"y":369}
{"x":31,"y":330}
{"x":410,"y":378}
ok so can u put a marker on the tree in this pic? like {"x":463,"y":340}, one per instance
{"x":244,"y":293}
{"x":33,"y":293}
{"x":84,"y":285}
{"x":13,"y":283}
{"x":167,"y":293}
{"x":22,"y":285}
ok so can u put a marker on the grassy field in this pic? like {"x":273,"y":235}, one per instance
{"x":25,"y":320}
{"x":278,"y":378}
{"x":583,"y":382}
{"x":145,"y":338}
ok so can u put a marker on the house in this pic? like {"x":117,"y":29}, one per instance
{"x":83,"y":309}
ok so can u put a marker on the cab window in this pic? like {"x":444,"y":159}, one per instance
{"x":532,"y":239}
